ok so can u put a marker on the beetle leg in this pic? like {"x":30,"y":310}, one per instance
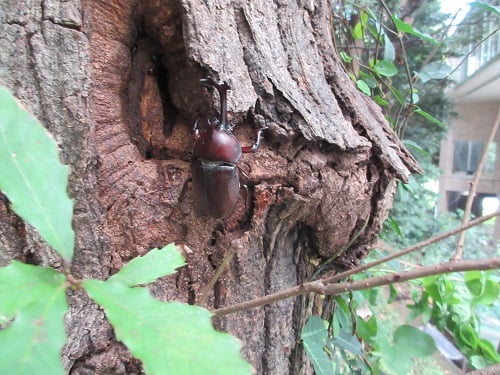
{"x":255,"y":146}
{"x":196,"y":128}
{"x":244,"y":173}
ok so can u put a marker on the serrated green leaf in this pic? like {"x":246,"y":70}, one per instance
{"x":32,"y":176}
{"x":342,"y":314}
{"x":414,"y":341}
{"x":35,"y":298}
{"x":149,"y":267}
{"x":168,"y":337}
{"x":315,"y":338}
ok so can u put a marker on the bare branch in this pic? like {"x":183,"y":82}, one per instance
{"x":320,"y":287}
{"x":398,"y":277}
{"x":410,"y":249}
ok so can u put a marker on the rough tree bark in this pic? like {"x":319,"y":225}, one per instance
{"x":117,"y":83}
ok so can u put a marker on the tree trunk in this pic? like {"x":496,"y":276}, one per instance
{"x":117,"y":84}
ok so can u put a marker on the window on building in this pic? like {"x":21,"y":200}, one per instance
{"x":467,"y":155}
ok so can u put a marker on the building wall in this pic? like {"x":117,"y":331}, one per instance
{"x":474,"y":122}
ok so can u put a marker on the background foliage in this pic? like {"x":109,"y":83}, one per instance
{"x":397,"y":55}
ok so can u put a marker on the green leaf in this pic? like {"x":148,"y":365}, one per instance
{"x":404,"y":27}
{"x":488,"y":350}
{"x":478,"y":362}
{"x":367,"y":329}
{"x":414,"y":341}
{"x":342,"y":314}
{"x":430,"y":118}
{"x":32,"y":176}
{"x":149,"y":267}
{"x":380,"y":101}
{"x":484,"y":290}
{"x":389,"y":52}
{"x":346,"y":341}
{"x":345,"y":57}
{"x":357,"y":31}
{"x":169,"y":338}
{"x":490,"y":295}
{"x":35,"y":298}
{"x":363,"y":87}
{"x":466,"y":335}
{"x":314,"y":339}
{"x":415,"y":146}
{"x":393,"y":294}
{"x":475,"y":286}
{"x":369,"y":79}
{"x":394,"y":359}
{"x":385,"y":68}
{"x":434,"y":70}
{"x":393,"y":224}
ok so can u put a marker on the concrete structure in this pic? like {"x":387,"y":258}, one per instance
{"x":477,"y":102}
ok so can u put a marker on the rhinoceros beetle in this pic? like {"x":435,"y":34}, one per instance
{"x":216,"y":150}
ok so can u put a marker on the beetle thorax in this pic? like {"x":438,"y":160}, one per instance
{"x":217,"y":145}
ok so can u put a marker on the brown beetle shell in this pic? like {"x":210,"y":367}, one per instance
{"x":216,"y":186}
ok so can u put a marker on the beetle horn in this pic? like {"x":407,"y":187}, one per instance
{"x":222,"y":89}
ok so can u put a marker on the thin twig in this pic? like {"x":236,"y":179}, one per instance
{"x":331,"y":289}
{"x":473,"y":188}
{"x":411,"y":249}
{"x":235,"y":246}
{"x":321,"y":283}
{"x":478,"y":44}
{"x":398,"y":277}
